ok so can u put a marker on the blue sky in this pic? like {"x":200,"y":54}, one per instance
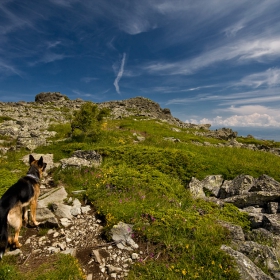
{"x":209,"y":61}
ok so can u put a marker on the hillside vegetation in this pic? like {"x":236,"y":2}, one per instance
{"x":144,"y":183}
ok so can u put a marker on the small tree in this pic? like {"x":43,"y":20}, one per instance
{"x":87,"y":121}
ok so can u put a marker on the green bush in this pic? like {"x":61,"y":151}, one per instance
{"x":87,"y":121}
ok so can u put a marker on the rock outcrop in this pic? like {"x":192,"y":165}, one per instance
{"x":259,"y":198}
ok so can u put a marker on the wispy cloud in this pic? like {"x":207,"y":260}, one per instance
{"x":120,"y":74}
{"x":270,"y":77}
{"x":239,"y":52}
{"x":89,"y":79}
{"x":7,"y":69}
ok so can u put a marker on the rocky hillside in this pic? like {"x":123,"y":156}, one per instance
{"x":75,"y":227}
{"x":27,"y":122}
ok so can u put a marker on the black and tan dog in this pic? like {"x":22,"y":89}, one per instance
{"x":14,"y":203}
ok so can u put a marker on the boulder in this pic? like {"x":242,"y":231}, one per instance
{"x":247,"y":269}
{"x":266,"y":184}
{"x":241,"y":184}
{"x":122,"y":235}
{"x":260,"y":198}
{"x":50,"y":97}
{"x":262,"y":255}
{"x":213,"y":184}
{"x":196,"y":188}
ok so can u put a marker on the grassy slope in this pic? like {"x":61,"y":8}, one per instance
{"x":145,"y":184}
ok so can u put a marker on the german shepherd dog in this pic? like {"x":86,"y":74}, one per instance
{"x":15,"y":201}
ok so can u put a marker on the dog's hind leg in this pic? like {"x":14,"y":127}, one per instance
{"x":15,"y":221}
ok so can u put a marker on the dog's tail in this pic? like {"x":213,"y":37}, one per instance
{"x":3,"y":231}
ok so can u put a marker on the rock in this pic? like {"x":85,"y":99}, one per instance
{"x":76,"y":203}
{"x":236,"y":232}
{"x":272,"y":207}
{"x":172,"y":139}
{"x":121,"y":234}
{"x":260,"y":198}
{"x":247,"y":269}
{"x":53,"y":250}
{"x":97,"y":256}
{"x":262,"y":255}
{"x":62,"y":210}
{"x":74,"y":162}
{"x":90,"y":155}
{"x":14,"y":252}
{"x":241,"y":184}
{"x":264,"y":236}
{"x":196,"y":188}
{"x":43,"y":214}
{"x":271,"y":223}
{"x":56,"y":195}
{"x":213,"y":184}
{"x":65,"y":222}
{"x":112,"y":269}
{"x":266,"y":183}
{"x":85,"y":209}
{"x":50,"y":97}
{"x":135,"y":256}
{"x":75,"y":211}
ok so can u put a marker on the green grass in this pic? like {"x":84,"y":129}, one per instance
{"x":5,"y":118}
{"x":59,"y":266}
{"x":11,"y":169}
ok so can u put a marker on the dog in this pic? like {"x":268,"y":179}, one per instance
{"x":15,"y":201}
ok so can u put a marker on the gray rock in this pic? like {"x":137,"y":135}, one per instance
{"x":14,"y":252}
{"x":267,"y":184}
{"x":56,"y":195}
{"x":260,"y":198}
{"x":238,"y":186}
{"x":122,"y":235}
{"x":75,"y":211}
{"x":236,"y":232}
{"x":272,"y":207}
{"x":271,"y":223}
{"x":262,"y":255}
{"x":62,"y":210}
{"x":196,"y":188}
{"x":266,"y":237}
{"x":213,"y":184}
{"x":50,"y":97}
{"x":65,"y":222}
{"x":70,"y":251}
{"x":247,"y":269}
{"x":43,"y":214}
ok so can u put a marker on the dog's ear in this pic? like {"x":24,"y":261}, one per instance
{"x":44,"y":166}
{"x":41,"y":162}
{"x":31,"y":159}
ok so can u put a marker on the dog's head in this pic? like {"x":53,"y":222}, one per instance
{"x":39,"y":164}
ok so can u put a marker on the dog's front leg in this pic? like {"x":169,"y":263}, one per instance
{"x":33,"y":207}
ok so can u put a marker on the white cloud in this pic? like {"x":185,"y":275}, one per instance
{"x":244,"y":116}
{"x":88,"y":79}
{"x":270,"y":77}
{"x":253,"y":120}
{"x":120,"y":73}
{"x":7,"y":69}
{"x":237,"y":52}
